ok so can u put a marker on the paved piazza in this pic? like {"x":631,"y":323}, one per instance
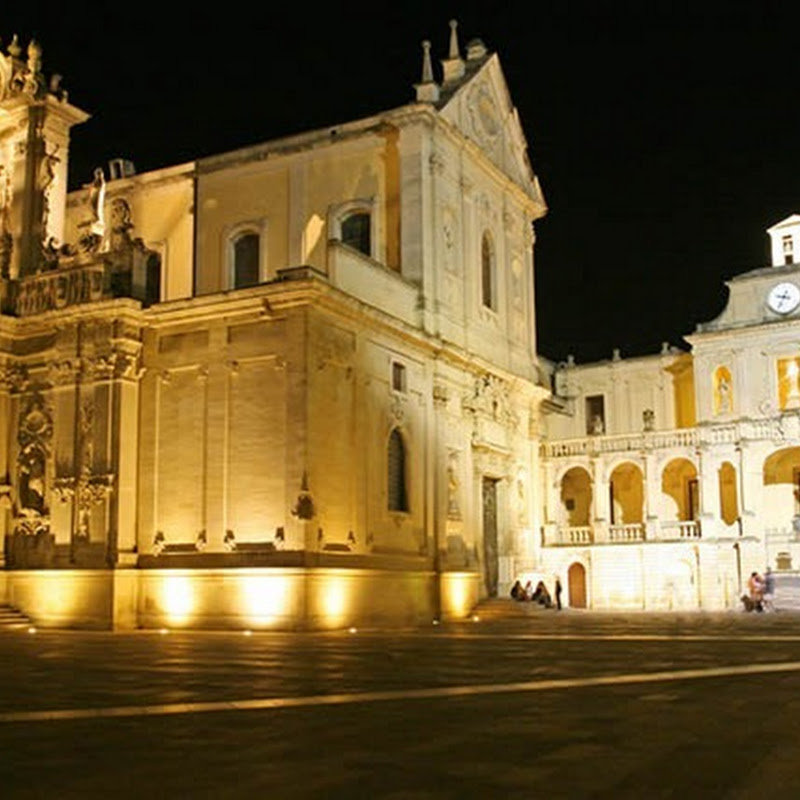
{"x":552,"y":705}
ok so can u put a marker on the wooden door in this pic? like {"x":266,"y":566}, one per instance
{"x":577,"y":586}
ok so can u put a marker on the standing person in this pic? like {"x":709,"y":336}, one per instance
{"x":755,"y":588}
{"x":769,"y":590}
{"x":558,"y":594}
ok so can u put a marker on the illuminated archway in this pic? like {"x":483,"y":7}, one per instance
{"x":576,"y":497}
{"x":782,"y":485}
{"x":679,"y":489}
{"x":627,"y":494}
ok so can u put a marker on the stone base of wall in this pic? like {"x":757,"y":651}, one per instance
{"x":239,"y":599}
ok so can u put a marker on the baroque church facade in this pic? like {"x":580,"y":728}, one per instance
{"x":297,"y":386}
{"x":290,"y":386}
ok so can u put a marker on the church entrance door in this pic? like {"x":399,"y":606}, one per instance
{"x":577,"y":585}
{"x":490,"y":562}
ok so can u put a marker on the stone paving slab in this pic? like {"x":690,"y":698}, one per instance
{"x":717,"y":734}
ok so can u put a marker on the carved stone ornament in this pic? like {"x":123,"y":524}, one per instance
{"x":397,"y":408}
{"x":490,"y":398}
{"x":484,"y":114}
{"x":14,"y":377}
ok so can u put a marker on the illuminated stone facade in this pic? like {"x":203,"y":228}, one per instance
{"x":667,"y":480}
{"x":290,"y":386}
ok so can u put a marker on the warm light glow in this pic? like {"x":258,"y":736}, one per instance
{"x":334,"y":600}
{"x":31,"y":629}
{"x":311,"y":235}
{"x":178,"y":598}
{"x":458,"y":596}
{"x":265,"y":598}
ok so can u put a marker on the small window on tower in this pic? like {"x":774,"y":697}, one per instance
{"x":398,"y":377}
{"x":788,"y":250}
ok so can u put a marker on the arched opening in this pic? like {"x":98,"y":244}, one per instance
{"x":627,"y":495}
{"x":576,"y":583}
{"x":781,"y":502}
{"x":488,"y":282}
{"x":396,"y":477}
{"x":576,"y":497}
{"x":728,"y":495}
{"x":680,"y":489}
{"x":246,"y":259}
{"x":356,"y":232}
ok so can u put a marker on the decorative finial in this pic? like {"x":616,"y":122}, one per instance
{"x":14,"y":50}
{"x":427,"y":66}
{"x":427,"y":89}
{"x":453,"y":40}
{"x":453,"y":65}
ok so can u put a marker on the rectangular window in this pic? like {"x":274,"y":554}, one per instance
{"x":788,"y":250}
{"x":398,"y":377}
{"x":595,"y":414}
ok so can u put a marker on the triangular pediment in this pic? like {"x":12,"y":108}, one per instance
{"x":479,"y":105}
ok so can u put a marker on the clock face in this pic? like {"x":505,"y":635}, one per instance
{"x":783,"y":298}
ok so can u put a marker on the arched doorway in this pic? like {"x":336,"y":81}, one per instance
{"x":576,"y":497}
{"x":781,"y":501}
{"x":576,"y":581}
{"x":679,"y":489}
{"x":627,"y":495}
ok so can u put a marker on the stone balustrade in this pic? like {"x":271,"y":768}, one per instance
{"x":660,"y":531}
{"x":770,"y":429}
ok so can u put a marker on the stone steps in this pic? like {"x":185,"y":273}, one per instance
{"x":12,"y":618}
{"x":506,"y":608}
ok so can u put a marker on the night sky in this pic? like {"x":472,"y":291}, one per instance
{"x":665,"y":136}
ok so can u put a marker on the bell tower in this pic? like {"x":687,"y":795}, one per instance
{"x":35,"y":120}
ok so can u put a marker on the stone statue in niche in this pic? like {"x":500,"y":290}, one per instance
{"x":598,"y":426}
{"x":453,"y":485}
{"x":723,"y":395}
{"x":35,"y":432}
{"x":648,"y":419}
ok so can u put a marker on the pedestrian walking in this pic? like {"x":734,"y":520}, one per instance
{"x":558,"y":594}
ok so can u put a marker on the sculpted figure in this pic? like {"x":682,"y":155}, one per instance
{"x":97,"y":199}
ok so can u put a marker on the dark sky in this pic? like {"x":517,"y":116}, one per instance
{"x":664,"y":134}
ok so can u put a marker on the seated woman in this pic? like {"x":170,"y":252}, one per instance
{"x":517,"y":592}
{"x":542,"y":596}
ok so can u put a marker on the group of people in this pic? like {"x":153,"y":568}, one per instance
{"x":538,"y":595}
{"x":760,"y":592}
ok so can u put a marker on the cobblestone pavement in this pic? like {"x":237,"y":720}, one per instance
{"x":563,"y":704}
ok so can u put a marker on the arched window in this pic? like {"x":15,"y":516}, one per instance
{"x":246,"y":260}
{"x":488,"y":286}
{"x":396,"y":462}
{"x":356,"y":232}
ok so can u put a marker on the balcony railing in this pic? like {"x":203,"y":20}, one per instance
{"x":666,"y":531}
{"x":689,"y":529}
{"x":729,"y":433}
{"x":633,"y":532}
